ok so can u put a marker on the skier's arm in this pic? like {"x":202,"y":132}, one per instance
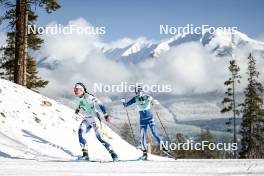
{"x":102,"y":108}
{"x":101,"y":105}
{"x":130,"y":102}
{"x":154,"y":101}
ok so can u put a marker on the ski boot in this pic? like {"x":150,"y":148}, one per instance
{"x":113,"y":155}
{"x":164,"y":149}
{"x":85,"y":155}
{"x":144,"y":156}
{"x":168,"y":153}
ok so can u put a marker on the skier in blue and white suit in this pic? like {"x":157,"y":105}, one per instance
{"x":88,"y":104}
{"x":144,"y":103}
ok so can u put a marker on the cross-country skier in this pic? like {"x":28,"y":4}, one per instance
{"x":144,"y":102}
{"x":88,"y":105}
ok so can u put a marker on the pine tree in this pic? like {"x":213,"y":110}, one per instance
{"x":259,"y":135}
{"x":20,"y":44}
{"x":230,"y":104}
{"x":180,"y":153}
{"x":8,"y":58}
{"x":33,"y":81}
{"x":252,"y":120}
{"x":207,"y":153}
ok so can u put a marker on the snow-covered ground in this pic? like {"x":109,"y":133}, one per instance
{"x":153,"y":168}
{"x":35,"y":127}
{"x":38,"y":136}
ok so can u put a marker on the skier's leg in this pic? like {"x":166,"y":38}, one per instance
{"x":143,"y":139}
{"x":154,"y":130}
{"x":155,"y":133}
{"x":103,"y":139}
{"x":83,"y":129}
{"x":143,"y":136}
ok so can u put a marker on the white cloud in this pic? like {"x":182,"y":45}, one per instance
{"x":80,"y":59}
{"x":95,"y":68}
{"x":189,"y":67}
{"x":63,"y":46}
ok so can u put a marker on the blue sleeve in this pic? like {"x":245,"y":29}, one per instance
{"x":102,"y":107}
{"x":130,"y":102}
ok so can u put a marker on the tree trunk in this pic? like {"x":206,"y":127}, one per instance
{"x":234,"y":116}
{"x":25,"y":48}
{"x":20,"y":39}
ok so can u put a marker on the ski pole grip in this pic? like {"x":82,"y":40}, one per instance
{"x":123,"y":100}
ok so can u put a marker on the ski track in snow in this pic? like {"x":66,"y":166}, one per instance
{"x":9,"y":167}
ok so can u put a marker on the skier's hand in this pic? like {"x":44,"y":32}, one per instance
{"x":108,"y":118}
{"x":77,"y":111}
{"x":155,"y":102}
{"x":123,"y":100}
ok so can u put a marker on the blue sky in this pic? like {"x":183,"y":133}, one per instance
{"x":135,"y":18}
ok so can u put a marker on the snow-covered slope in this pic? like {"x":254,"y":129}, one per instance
{"x":35,"y":127}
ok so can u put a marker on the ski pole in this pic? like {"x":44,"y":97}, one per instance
{"x":133,"y":136}
{"x":163,"y":127}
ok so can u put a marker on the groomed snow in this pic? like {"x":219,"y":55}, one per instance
{"x":138,"y":168}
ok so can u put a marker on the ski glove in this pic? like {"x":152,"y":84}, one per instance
{"x":107,"y":117}
{"x":77,"y":111}
{"x":123,"y":100}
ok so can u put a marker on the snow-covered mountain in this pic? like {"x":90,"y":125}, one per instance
{"x":218,"y":43}
{"x":36,"y":127}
